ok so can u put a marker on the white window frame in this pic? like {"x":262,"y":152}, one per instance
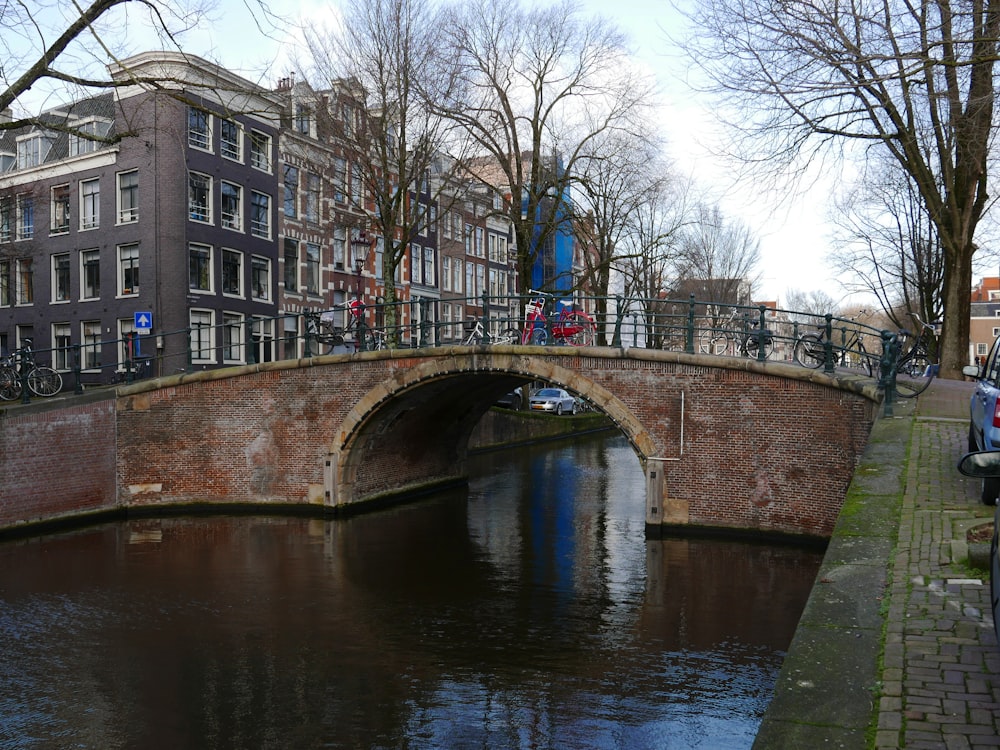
{"x":62,"y":337}
{"x":196,"y":211}
{"x":202,"y":338}
{"x":126,"y":264}
{"x":229,"y":148}
{"x":260,"y":151}
{"x":233,"y":335}
{"x":207,"y":253}
{"x":231,"y":215}
{"x":60,"y":197}
{"x":227,"y":253}
{"x":24,"y":282}
{"x":85,"y":256}
{"x":199,"y":138}
{"x":258,"y":227}
{"x":90,"y":350}
{"x":90,"y":204}
{"x":128,"y":210}
{"x":60,"y":259}
{"x":258,"y":262}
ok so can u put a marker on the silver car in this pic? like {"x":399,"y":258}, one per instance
{"x":554,"y":400}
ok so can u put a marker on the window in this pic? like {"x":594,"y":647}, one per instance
{"x":91,"y":339}
{"x":6,"y":221}
{"x":312,"y":197}
{"x":446,"y":273}
{"x":90,"y":274}
{"x":302,"y":118}
{"x":291,"y":265}
{"x":25,"y":217}
{"x":200,"y":197}
{"x":260,"y":215}
{"x":339,"y":247}
{"x":291,"y":183}
{"x":231,"y":140}
{"x":62,"y":350}
{"x":232,"y":337}
{"x":60,"y":209}
{"x":339,"y":180}
{"x":128,"y":343}
{"x":480,"y":280}
{"x":32,"y":150}
{"x":312,"y":268}
{"x":60,"y":277}
{"x":199,"y":129}
{"x":415,"y":263}
{"x":128,"y":269}
{"x":90,"y":204}
{"x":200,"y":268}
{"x":456,"y":285}
{"x":232,"y":206}
{"x":232,"y":272}
{"x":480,"y":247}
{"x":260,"y":151}
{"x":202,"y":335}
{"x":128,"y":197}
{"x":80,"y":144}
{"x":24,"y":290}
{"x":263,"y":339}
{"x":260,"y":278}
{"x":5,"y":298}
{"x":356,"y":185}
{"x":379,"y":257}
{"x":470,"y":279}
{"x":468,"y":239}
{"x":429,"y":266}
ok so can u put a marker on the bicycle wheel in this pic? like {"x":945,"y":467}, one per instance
{"x":913,"y":374}
{"x":809,"y":351}
{"x":713,"y":342}
{"x":751,"y":346}
{"x":507,"y":336}
{"x":10,"y":384}
{"x":539,"y":336}
{"x":44,"y":381}
{"x":583,"y":330}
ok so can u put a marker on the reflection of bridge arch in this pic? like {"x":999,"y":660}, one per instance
{"x":449,"y":396}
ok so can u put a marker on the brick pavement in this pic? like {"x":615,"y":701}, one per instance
{"x":940,"y":685}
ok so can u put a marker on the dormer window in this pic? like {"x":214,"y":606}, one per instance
{"x":7,"y":161}
{"x":33,"y":149}
{"x":88,"y":136}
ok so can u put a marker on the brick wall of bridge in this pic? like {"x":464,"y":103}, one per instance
{"x":57,"y":463}
{"x":747,"y":446}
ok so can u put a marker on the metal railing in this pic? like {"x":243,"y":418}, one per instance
{"x":691,"y":325}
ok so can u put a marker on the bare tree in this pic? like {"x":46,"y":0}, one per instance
{"x":718,"y":258}
{"x":617,"y":174}
{"x":916,"y":81}
{"x":48,"y":50}
{"x":395,"y":52}
{"x":538,"y":85}
{"x":891,"y":247}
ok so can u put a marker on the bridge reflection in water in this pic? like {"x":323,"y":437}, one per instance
{"x":528,"y":612}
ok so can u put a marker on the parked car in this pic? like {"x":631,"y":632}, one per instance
{"x":984,"y":415}
{"x":987,"y":466}
{"x":554,"y":400}
{"x":510,"y":400}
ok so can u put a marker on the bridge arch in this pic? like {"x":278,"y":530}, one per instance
{"x":433,"y":408}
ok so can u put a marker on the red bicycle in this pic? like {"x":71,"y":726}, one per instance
{"x":570,"y":326}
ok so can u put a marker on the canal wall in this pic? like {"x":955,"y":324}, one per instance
{"x":57,"y":463}
{"x":503,"y":428}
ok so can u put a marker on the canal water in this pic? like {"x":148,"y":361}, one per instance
{"x":526,"y":612}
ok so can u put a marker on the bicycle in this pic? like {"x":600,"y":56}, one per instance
{"x":915,"y":369}
{"x":810,"y":350}
{"x":477,"y":335}
{"x":324,"y":329}
{"x":734,"y":334}
{"x":570,"y":326}
{"x":20,"y":367}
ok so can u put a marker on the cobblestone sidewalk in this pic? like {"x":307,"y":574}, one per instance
{"x":940,"y":683}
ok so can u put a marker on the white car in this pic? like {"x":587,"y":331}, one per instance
{"x":554,"y":400}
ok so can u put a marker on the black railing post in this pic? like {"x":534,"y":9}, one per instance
{"x":689,"y":333}
{"x":484,"y":319}
{"x":616,"y":337}
{"x":828,"y":346}
{"x":23,"y":365}
{"x":361,"y":344}
{"x":77,"y":385}
{"x":251,"y":354}
{"x":762,"y":335}
{"x":308,"y":326}
{"x":129,"y":355}
{"x":887,"y":370}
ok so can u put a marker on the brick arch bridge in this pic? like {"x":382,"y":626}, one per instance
{"x":723,"y":442}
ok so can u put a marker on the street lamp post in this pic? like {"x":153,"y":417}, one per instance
{"x":359,"y":249}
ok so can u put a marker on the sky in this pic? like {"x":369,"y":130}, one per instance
{"x":793,"y":235}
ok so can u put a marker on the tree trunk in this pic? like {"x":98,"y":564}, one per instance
{"x":954,"y":354}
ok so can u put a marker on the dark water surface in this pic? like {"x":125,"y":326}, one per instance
{"x":529,"y":612}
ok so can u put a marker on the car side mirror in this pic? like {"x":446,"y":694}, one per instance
{"x":971,"y":370}
{"x":980,"y":464}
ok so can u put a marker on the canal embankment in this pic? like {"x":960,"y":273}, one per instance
{"x":895,"y":647}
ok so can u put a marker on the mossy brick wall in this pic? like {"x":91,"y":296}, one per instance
{"x":57,"y":463}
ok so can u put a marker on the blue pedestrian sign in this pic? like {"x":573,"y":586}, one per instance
{"x":143,"y":322}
